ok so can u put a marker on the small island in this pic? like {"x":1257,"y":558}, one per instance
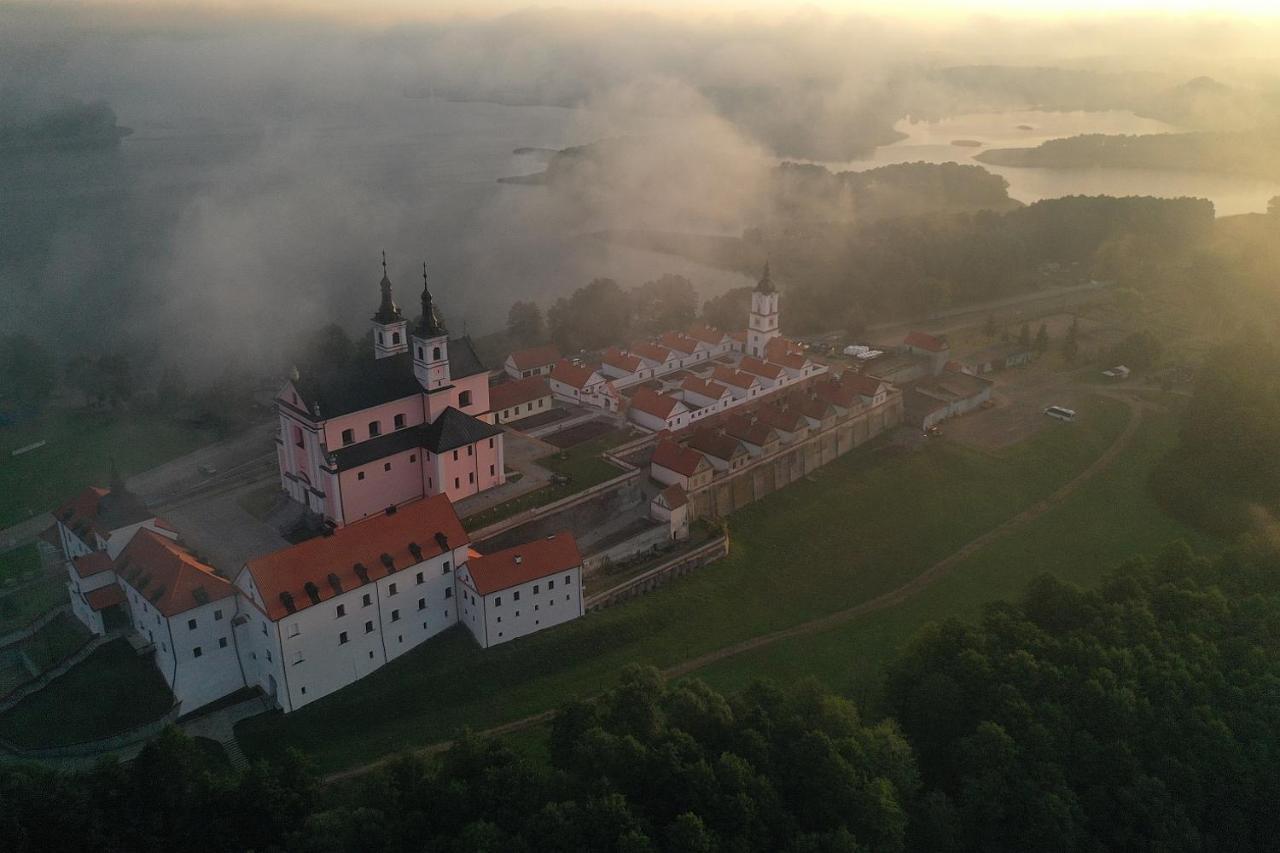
{"x":967,"y":143}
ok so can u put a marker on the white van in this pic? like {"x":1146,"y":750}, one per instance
{"x":1061,"y":413}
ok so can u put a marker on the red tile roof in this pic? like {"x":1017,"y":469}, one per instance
{"x":862,"y":384}
{"x":679,"y":342}
{"x":507,"y":394}
{"x":168,"y":575}
{"x":729,"y":376}
{"x":88,"y":565}
{"x":364,"y":543}
{"x":791,"y":361}
{"x":752,"y":432}
{"x":787,"y":421}
{"x":105,"y":596}
{"x":837,"y":394}
{"x":573,"y":375}
{"x":740,"y":336}
{"x":778,"y":347}
{"x":756,"y":367}
{"x":527,"y":359}
{"x":925,"y":341}
{"x":652,"y":352}
{"x":82,"y":510}
{"x":707,"y":334}
{"x":615,"y":357}
{"x":715,"y":444}
{"x":675,"y":457}
{"x":651,"y":402}
{"x":524,"y":563}
{"x":674,"y":496}
{"x":703,"y":388}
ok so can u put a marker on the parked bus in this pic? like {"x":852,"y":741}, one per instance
{"x":1061,"y":413}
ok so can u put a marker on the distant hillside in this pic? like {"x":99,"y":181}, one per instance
{"x":72,"y":126}
{"x":1250,"y":153}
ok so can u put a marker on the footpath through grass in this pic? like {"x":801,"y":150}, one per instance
{"x":861,"y":526}
{"x":109,"y":692}
{"x":78,"y":454}
{"x":1110,"y":519}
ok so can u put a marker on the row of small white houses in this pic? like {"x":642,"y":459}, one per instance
{"x":310,"y":619}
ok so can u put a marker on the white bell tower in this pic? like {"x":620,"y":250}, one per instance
{"x":390,"y":335}
{"x":430,"y":344}
{"x":762,"y":324}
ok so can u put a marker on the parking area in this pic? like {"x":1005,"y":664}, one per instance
{"x":1020,"y":398}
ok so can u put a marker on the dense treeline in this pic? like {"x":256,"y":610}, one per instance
{"x":1141,"y":716}
{"x":1224,"y":475}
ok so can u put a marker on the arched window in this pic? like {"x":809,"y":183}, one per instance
{"x":419,"y":353}
{"x":380,"y":337}
{"x":395,"y":337}
{"x":435,"y":353}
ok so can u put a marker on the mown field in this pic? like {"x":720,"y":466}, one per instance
{"x":860,"y":527}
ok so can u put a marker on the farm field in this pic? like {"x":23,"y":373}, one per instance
{"x":78,"y":454}
{"x":858,"y":528}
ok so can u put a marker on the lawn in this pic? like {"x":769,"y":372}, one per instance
{"x":583,"y":464}
{"x":62,"y":637}
{"x":17,"y":564}
{"x":1110,"y":519}
{"x":861,"y":526}
{"x":111,"y":691}
{"x":18,"y":609}
{"x":78,"y":454}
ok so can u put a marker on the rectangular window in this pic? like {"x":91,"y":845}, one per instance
{"x":348,"y":437}
{"x":422,"y":604}
{"x":395,"y":615}
{"x":471,"y":476}
{"x":399,"y":421}
{"x":419,"y":577}
{"x":568,"y":579}
{"x":359,"y":475}
{"x":535,"y":589}
{"x":457,"y":484}
{"x":391,"y":590}
{"x":386,"y":466}
{"x":191,"y":624}
{"x":445,"y":570}
{"x":491,"y":469}
{"x":342,"y":638}
{"x":217,"y":616}
{"x":413,"y":457}
{"x":448,"y":593}
{"x":367,"y":600}
{"x":464,"y":399}
{"x":197,"y":652}
{"x":368,"y":627}
{"x":551,"y":585}
{"x":222,"y":642}
{"x":497,"y":601}
{"x":515,"y":596}
{"x":341,"y":610}
{"x":375,"y":429}
{"x":268,"y":655}
{"x":471,"y":451}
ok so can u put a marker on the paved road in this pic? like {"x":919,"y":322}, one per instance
{"x":882,"y":602}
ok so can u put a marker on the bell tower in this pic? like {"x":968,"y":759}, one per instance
{"x":430,"y":344}
{"x":389,"y":332}
{"x":762,"y":324}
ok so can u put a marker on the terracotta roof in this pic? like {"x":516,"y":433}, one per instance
{"x":679,"y":342}
{"x":105,"y":596}
{"x":652,"y":352}
{"x":736,"y":378}
{"x":527,"y":359}
{"x":715,"y":444}
{"x":925,"y":341}
{"x":703,"y":388}
{"x":101,"y":511}
{"x":168,"y":575}
{"x":651,"y":402}
{"x":88,"y":565}
{"x":707,"y":334}
{"x":675,"y":457}
{"x":507,"y":394}
{"x":786,"y":420}
{"x":740,"y":336}
{"x":674,"y":496}
{"x":615,"y":357}
{"x":756,"y":367}
{"x":789,"y":360}
{"x":524,"y":563}
{"x":573,"y":375}
{"x":836,"y":394}
{"x":862,"y":384}
{"x":324,"y":559}
{"x":811,"y":407}
{"x":780,"y":346}
{"x":752,"y":432}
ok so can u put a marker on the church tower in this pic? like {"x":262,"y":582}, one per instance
{"x":389,"y":337}
{"x":762,"y":325}
{"x":430,"y":344}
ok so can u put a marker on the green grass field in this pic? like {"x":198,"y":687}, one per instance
{"x":1109,"y":520}
{"x":111,"y":691}
{"x":61,"y":638}
{"x":18,"y":564}
{"x":78,"y":454}
{"x":861,"y":526}
{"x":584,"y":466}
{"x":25,"y":605}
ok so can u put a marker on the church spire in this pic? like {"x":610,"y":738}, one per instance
{"x":388,"y":310}
{"x":765,"y":285}
{"x":431,"y":325}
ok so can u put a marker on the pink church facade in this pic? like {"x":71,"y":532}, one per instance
{"x":412,"y":422}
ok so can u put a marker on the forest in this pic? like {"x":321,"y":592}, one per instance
{"x":1138,"y":716}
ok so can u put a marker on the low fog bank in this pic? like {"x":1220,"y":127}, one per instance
{"x":269,"y":162}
